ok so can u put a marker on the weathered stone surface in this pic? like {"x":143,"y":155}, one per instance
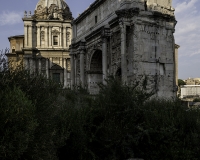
{"x":139,"y":42}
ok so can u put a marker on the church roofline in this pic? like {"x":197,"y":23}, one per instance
{"x":42,"y":20}
{"x":16,"y":36}
{"x":92,"y":7}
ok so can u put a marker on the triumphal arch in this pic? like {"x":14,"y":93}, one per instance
{"x":125,"y":38}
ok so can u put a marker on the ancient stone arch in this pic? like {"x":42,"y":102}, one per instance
{"x":96,"y":61}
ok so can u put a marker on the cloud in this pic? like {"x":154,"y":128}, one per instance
{"x":184,"y":6}
{"x":188,"y":28}
{"x":10,"y":18}
{"x":187,"y":35}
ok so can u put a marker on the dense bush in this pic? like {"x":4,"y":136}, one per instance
{"x":122,"y":122}
{"x":46,"y":134}
{"x":17,"y":123}
{"x":39,"y":120}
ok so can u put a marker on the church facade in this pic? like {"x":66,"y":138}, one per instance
{"x":46,"y":41}
{"x":129,"y":39}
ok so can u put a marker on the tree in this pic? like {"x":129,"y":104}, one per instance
{"x":44,"y":94}
{"x":181,"y":82}
{"x":17,"y":123}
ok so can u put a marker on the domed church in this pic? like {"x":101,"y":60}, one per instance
{"x":44,"y":47}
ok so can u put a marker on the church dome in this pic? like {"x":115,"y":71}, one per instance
{"x":47,"y":3}
{"x":52,"y":9}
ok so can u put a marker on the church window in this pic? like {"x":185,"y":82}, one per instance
{"x":55,"y":40}
{"x":95,"y":19}
{"x":13,"y":49}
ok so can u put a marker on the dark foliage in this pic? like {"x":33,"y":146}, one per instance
{"x":40,"y":120}
{"x":181,"y":82}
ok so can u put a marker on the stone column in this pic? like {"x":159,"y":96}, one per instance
{"x":38,"y":36}
{"x":30,"y":36}
{"x":50,"y":62}
{"x":39,"y":65}
{"x":70,"y":36}
{"x":176,"y":63}
{"x":25,"y":35}
{"x":123,"y":52}
{"x":65,"y":72}
{"x":60,"y":39}
{"x":64,"y":37}
{"x":82,"y":68}
{"x":72,"y":69}
{"x":50,"y":65}
{"x":47,"y":67}
{"x":104,"y":59}
{"x":34,"y":65}
{"x":68,"y":68}
{"x":46,"y":36}
{"x":26,"y":63}
{"x":50,"y":36}
{"x":31,"y":65}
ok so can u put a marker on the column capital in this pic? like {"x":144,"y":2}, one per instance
{"x":105,"y":32}
{"x":81,"y":48}
{"x":122,"y":26}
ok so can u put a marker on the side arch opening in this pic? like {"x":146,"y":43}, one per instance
{"x":95,"y":73}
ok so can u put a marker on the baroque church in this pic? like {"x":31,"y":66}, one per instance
{"x":128,"y":39}
{"x":44,"y":47}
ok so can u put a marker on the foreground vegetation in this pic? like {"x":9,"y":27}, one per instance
{"x":39,"y":121}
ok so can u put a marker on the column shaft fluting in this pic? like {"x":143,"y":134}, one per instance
{"x":82,"y":69}
{"x":123,"y":53}
{"x":104,"y":59}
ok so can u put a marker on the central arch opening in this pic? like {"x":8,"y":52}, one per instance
{"x":95,"y":74}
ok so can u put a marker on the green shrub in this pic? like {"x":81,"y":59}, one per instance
{"x":44,"y":95}
{"x":17,"y":123}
